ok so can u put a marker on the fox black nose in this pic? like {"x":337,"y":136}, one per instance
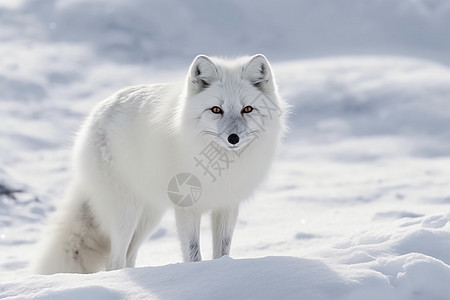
{"x":233,"y":139}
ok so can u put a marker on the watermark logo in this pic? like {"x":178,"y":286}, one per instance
{"x":184,"y":189}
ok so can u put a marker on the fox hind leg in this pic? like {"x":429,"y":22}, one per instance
{"x":122,"y":230}
{"x":148,"y":222}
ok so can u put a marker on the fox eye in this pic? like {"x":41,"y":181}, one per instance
{"x":247,"y":109}
{"x":217,"y":110}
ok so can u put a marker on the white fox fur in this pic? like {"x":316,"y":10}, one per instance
{"x":136,"y":141}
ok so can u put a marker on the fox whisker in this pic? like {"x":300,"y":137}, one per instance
{"x":208,"y":132}
{"x":253,"y":132}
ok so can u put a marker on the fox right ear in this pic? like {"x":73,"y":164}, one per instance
{"x":202,"y":72}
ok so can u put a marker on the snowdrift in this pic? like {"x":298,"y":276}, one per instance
{"x":389,"y":276}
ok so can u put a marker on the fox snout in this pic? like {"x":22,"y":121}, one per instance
{"x":233,"y":139}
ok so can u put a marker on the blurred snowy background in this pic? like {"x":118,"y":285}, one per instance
{"x":358,"y":202}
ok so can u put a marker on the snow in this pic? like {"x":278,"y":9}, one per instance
{"x":357,"y":203}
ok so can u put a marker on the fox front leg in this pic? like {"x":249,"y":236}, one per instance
{"x":223,"y":223}
{"x":188,"y":225}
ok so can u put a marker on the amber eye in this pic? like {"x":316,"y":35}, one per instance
{"x":247,"y":109}
{"x":217,"y":110}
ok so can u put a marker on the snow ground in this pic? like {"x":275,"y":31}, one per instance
{"x":357,"y":204}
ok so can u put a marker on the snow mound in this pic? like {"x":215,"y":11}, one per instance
{"x":405,"y":277}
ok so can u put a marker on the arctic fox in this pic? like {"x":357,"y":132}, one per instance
{"x":198,"y":147}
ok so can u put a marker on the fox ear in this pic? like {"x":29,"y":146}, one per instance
{"x":202,"y":72}
{"x":259,"y":73}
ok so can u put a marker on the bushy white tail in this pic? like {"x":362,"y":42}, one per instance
{"x":74,"y":243}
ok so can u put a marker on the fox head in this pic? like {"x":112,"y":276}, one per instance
{"x":232,"y":103}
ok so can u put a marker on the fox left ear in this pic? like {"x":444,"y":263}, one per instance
{"x":259,"y":73}
{"x":202,"y":72}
